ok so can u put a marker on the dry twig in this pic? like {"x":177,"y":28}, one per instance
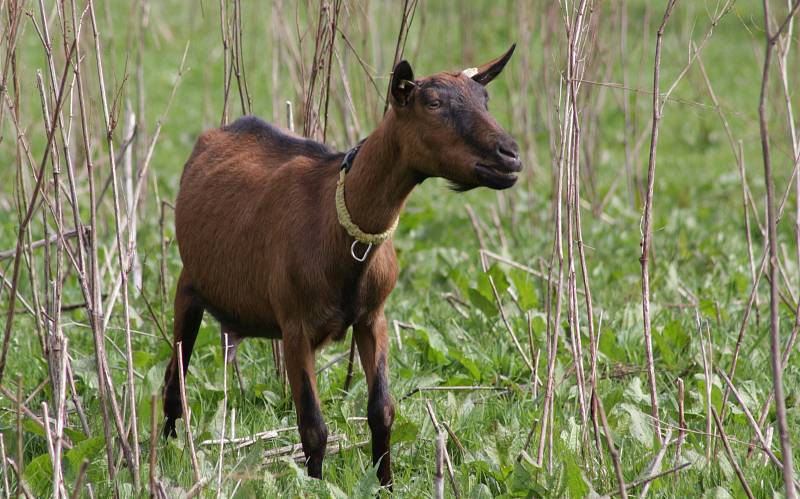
{"x":647,"y":217}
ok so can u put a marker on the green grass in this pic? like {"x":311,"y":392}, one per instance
{"x":699,"y":240}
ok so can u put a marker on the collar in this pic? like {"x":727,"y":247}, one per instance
{"x":344,"y":216}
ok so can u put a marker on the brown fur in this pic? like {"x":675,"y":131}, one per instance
{"x":264,"y":253}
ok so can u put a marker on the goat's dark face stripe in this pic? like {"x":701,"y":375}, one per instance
{"x":464,"y":109}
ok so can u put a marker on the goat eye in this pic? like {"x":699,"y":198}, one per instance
{"x":434,"y":104}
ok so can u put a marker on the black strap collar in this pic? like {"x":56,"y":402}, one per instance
{"x":350,"y":156}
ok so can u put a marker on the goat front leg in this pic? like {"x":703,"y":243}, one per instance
{"x":303,"y":382}
{"x":186,"y":323}
{"x":373,"y":348}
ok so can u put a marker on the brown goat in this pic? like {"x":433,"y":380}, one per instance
{"x":264,"y":252}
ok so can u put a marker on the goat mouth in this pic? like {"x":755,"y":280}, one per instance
{"x":495,"y":177}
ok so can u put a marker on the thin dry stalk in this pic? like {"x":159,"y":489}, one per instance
{"x":650,"y":478}
{"x":510,"y":330}
{"x":26,"y":219}
{"x":738,"y":153}
{"x":784,"y":45}
{"x":632,"y":182}
{"x":27,"y":412}
{"x":528,"y":440}
{"x":22,"y":487}
{"x":4,"y":467}
{"x":765,"y":446}
{"x":224,"y":417}
{"x":681,"y":420}
{"x":473,"y":218}
{"x":511,"y":263}
{"x":242,"y":442}
{"x":91,"y":286}
{"x":453,"y":435}
{"x":440,"y":434}
{"x":187,"y":414}
{"x":196,"y":488}
{"x":350,"y":361}
{"x":226,"y":74}
{"x":60,"y":356}
{"x":153,"y":443}
{"x":709,"y":382}
{"x":787,"y":351}
{"x":315,"y":105}
{"x":422,"y":389}
{"x":142,"y":175}
{"x":553,"y":317}
{"x":237,"y":64}
{"x":349,"y":112}
{"x":51,"y":450}
{"x":623,"y":491}
{"x":656,"y":463}
{"x":334,"y":19}
{"x":128,"y":175}
{"x":9,"y":253}
{"x":438,"y":477}
{"x":478,"y":233}
{"x":695,"y":53}
{"x":734,"y":462}
{"x":295,"y":451}
{"x":576,"y":40}
{"x":762,"y":266}
{"x":774,"y":335}
{"x":397,"y":325}
{"x":20,"y":447}
{"x":55,"y":339}
{"x":746,"y":196}
{"x":122,"y":255}
{"x":76,"y":489}
{"x":409,"y":8}
{"x":647,"y":232}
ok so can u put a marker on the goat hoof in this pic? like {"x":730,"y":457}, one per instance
{"x":169,"y":429}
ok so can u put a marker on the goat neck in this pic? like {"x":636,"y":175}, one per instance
{"x":380,"y":179}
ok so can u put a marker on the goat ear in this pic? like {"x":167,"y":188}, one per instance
{"x":487,"y":72}
{"x":403,"y":85}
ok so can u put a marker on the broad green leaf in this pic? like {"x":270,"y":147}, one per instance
{"x":470,"y":365}
{"x":634,"y":392}
{"x":717,"y":493}
{"x":636,"y":423}
{"x":571,"y":435}
{"x":74,"y":435}
{"x":368,"y":485}
{"x":526,"y":289}
{"x":610,"y":347}
{"x":33,"y":427}
{"x":523,"y":480}
{"x":486,"y":306}
{"x":39,"y":475}
{"x":87,"y":449}
{"x":576,"y":483}
{"x":672,"y":342}
{"x":404,"y":431}
{"x":433,"y":344}
{"x":500,"y":279}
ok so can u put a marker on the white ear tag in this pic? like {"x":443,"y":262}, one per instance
{"x":470,"y":72}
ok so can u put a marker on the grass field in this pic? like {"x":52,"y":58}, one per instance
{"x":449,"y":329}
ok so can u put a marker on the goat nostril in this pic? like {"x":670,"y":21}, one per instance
{"x":507,"y":152}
